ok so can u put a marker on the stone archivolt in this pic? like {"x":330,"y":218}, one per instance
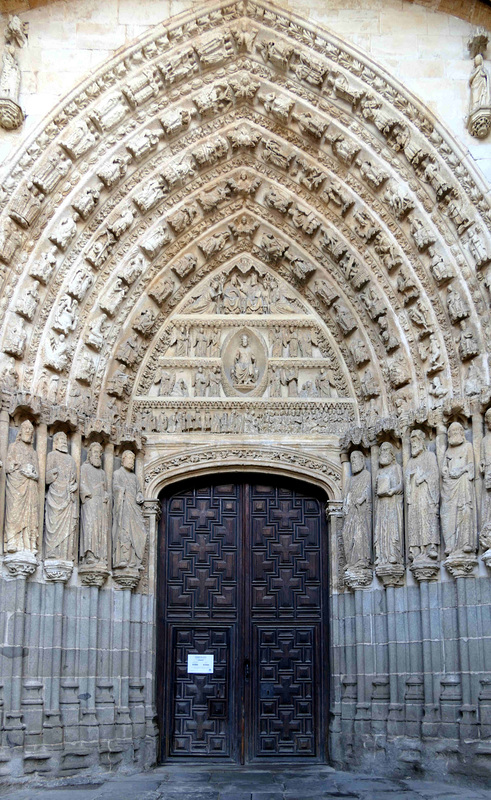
{"x":345,"y":186}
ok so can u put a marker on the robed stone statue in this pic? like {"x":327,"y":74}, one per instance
{"x":94,"y":498}
{"x":129,"y":533}
{"x":61,"y":512}
{"x":422,"y":485}
{"x":22,"y":506}
{"x":458,"y":509}
{"x":357,"y":510}
{"x":389,"y":509}
{"x":486,"y":484}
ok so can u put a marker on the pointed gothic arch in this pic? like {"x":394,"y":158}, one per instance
{"x":239,"y":110}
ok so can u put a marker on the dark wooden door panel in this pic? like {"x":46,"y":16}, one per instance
{"x":286,"y":702}
{"x":286,"y":554}
{"x":241,"y":579}
{"x":203,"y":557}
{"x":202,"y":714}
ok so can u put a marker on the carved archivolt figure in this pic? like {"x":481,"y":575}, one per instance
{"x":357,"y":510}
{"x":388,"y":517}
{"x":422,"y":485}
{"x":129,"y":534}
{"x":486,"y":488}
{"x":94,"y":516}
{"x":22,"y":512}
{"x":61,"y":500}
{"x":458,"y":511}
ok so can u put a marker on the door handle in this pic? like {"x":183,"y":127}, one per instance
{"x":247,"y":670}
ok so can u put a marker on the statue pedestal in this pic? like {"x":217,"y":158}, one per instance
{"x":479,"y":122}
{"x":391,"y":574}
{"x":357,"y":577}
{"x":486,"y":557}
{"x":93,"y":574}
{"x":126,"y":577}
{"x":20,"y":564}
{"x":461,"y":565}
{"x":57,"y":570}
{"x":425,"y":569}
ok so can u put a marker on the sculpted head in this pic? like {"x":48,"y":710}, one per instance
{"x":245,"y":340}
{"x":60,"y":442}
{"x":26,"y":432}
{"x":417,"y":442}
{"x":386,"y":454}
{"x":487,"y":419}
{"x":94,"y":454}
{"x":357,"y":461}
{"x":128,"y":460}
{"x":456,"y":434}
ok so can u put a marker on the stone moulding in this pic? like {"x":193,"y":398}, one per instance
{"x":210,"y":459}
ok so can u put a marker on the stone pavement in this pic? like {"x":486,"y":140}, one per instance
{"x":251,"y":783}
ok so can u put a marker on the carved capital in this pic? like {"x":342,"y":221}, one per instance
{"x":461,"y":565}
{"x":126,"y":577}
{"x":20,"y":564}
{"x":57,"y":570}
{"x":334,"y":508}
{"x":93,"y":574}
{"x":152,"y":508}
{"x":390,"y":574}
{"x":357,"y":578}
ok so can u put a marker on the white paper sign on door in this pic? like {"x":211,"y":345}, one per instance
{"x":200,"y":665}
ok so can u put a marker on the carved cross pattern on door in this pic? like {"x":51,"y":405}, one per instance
{"x":202,"y":547}
{"x":285,"y":561}
{"x":243,"y":569}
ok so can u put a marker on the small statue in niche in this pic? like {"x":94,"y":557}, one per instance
{"x":61,"y":500}
{"x":422,"y":485}
{"x":458,"y":507}
{"x":388,"y":517}
{"x":129,"y":535}
{"x":94,"y":499}
{"x":485,"y":467}
{"x":22,"y":508}
{"x":357,"y":527}
{"x":479,"y":119}
{"x":11,"y":114}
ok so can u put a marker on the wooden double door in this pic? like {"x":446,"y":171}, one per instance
{"x":242,"y":578}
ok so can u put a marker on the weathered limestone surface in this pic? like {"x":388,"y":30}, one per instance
{"x":243,"y":245}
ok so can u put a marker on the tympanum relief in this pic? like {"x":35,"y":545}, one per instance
{"x":246,"y":334}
